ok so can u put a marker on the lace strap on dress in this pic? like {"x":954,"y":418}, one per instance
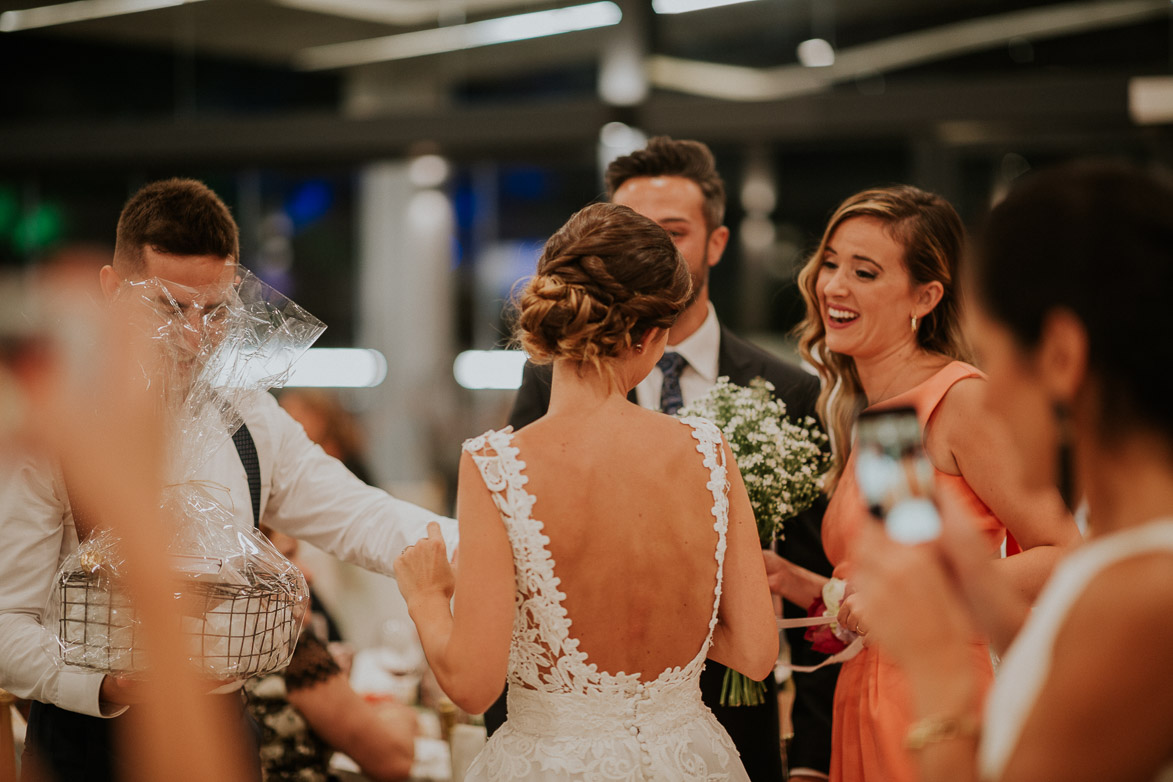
{"x":541,"y":634}
{"x":496,"y":459}
{"x":709,"y":441}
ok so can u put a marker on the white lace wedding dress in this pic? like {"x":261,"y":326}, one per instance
{"x":567,"y":719}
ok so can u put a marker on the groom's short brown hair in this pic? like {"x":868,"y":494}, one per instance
{"x":176,"y":217}
{"x":664,"y":156}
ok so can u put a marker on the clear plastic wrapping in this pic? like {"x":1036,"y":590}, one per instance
{"x":240,"y":615}
{"x":239,"y":601}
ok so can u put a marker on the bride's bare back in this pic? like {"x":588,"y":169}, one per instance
{"x":589,"y":546}
{"x":623,"y":495}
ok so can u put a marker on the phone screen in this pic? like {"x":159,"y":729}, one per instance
{"x":895,"y":475}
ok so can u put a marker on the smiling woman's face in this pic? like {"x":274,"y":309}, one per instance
{"x":865,"y":294}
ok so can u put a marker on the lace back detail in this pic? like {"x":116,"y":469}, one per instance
{"x":543,"y":655}
{"x":709,"y":441}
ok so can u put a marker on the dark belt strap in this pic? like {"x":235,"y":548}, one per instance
{"x":246,"y":448}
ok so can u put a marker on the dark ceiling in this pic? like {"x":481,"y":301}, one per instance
{"x":221,"y":77}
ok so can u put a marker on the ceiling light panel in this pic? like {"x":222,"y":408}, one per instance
{"x":402,"y":13}
{"x":78,"y":11}
{"x":686,"y":6}
{"x":506,"y":29}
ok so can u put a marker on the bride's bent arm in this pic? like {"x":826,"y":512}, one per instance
{"x":467,"y":644}
{"x":746,"y":636}
{"x":792,"y":582}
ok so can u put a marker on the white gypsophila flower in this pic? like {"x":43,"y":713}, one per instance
{"x":781,"y":462}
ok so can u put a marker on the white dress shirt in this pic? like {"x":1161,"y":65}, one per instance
{"x":304,"y":493}
{"x":702,"y":350}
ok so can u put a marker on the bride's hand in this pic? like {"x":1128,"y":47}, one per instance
{"x":776,"y":574}
{"x":423,"y":567}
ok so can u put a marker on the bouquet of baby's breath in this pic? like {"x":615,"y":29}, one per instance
{"x":782,"y":464}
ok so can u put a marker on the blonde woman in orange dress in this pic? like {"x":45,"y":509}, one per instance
{"x":882,"y":328}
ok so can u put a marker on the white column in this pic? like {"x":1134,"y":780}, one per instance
{"x":405,"y":310}
{"x":405,"y":303}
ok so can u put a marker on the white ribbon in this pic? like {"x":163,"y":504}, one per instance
{"x":814,"y":621}
{"x":805,"y":621}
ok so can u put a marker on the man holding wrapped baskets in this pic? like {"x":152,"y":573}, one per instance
{"x":177,"y":250}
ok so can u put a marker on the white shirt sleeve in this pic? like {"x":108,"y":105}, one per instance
{"x":312,"y":496}
{"x":36,"y":534}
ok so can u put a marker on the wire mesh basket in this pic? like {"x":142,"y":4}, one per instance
{"x":232,"y":630}
{"x":96,"y":625}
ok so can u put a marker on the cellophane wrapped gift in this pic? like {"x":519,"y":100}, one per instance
{"x":239,"y":601}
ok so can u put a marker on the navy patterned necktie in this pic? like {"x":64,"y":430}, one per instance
{"x":671,"y":399}
{"x":246,"y":448}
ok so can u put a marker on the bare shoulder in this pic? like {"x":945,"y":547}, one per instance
{"x":1108,"y":665}
{"x":685,"y":427}
{"x":963,"y":402}
{"x":959,"y":421}
{"x":1121,"y":614}
{"x":1129,"y":595}
{"x":1118,"y":624}
{"x":672,"y":439}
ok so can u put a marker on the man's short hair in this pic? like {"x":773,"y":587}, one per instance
{"x":176,"y":217}
{"x":664,"y":156}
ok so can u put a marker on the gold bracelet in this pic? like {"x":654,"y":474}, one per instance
{"x":934,"y":729}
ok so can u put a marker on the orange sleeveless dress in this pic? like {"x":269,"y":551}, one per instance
{"x":873,"y":708}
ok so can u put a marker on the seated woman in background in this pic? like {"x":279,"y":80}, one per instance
{"x":1072,"y":274}
{"x":882,"y":328}
{"x":308,"y":710}
{"x":329,"y":424}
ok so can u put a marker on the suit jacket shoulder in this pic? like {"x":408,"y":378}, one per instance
{"x":742,"y":361}
{"x":810,"y":715}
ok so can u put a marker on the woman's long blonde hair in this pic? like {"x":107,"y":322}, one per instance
{"x":933,"y":238}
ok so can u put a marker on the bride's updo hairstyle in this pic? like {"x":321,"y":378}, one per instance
{"x":603,"y":280}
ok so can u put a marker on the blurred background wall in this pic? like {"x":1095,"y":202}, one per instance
{"x":395,"y":165}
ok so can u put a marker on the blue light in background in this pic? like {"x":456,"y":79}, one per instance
{"x":308,"y":202}
{"x":528,"y":183}
{"x":465,"y":207}
{"x":464,"y":203}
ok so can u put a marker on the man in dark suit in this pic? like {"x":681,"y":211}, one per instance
{"x":676,"y":184}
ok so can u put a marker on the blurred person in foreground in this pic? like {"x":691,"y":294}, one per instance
{"x":608,"y":549}
{"x":883,"y":329}
{"x":308,"y":710}
{"x":179,"y":233}
{"x":100,"y":422}
{"x":676,"y":184}
{"x":1070,"y":277}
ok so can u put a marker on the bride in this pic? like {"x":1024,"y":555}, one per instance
{"x":606,"y":550}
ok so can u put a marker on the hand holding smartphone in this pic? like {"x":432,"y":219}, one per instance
{"x":895,"y":475}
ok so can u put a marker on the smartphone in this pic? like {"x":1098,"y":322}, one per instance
{"x":895,"y":475}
